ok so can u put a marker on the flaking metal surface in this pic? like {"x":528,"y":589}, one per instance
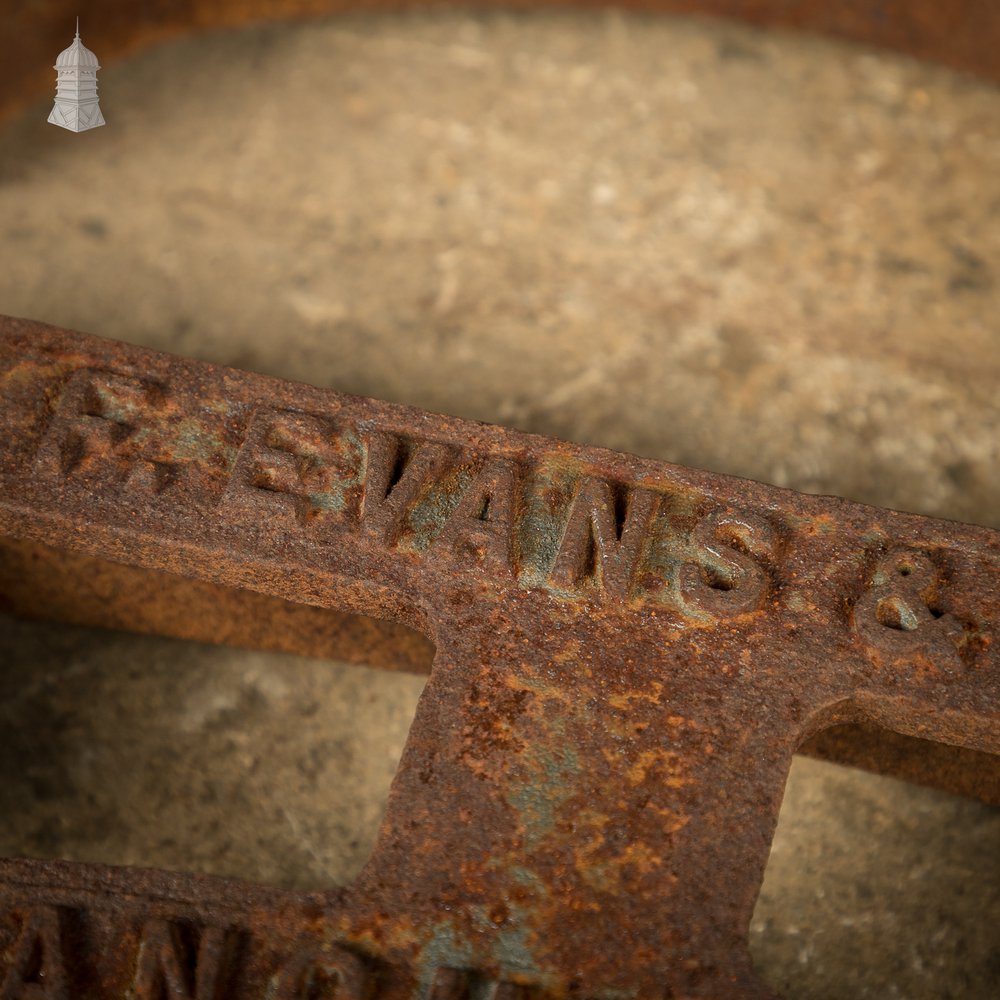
{"x":627,"y":654}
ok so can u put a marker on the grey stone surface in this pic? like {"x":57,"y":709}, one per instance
{"x":123,"y":749}
{"x":762,"y":254}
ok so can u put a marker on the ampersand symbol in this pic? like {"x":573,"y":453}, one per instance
{"x":902,"y":611}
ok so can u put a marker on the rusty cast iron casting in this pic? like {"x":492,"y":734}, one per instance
{"x":626,"y":656}
{"x":623,"y":655}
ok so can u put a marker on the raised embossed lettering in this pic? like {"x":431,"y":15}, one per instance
{"x":318,"y":973}
{"x":579,"y":535}
{"x":37,"y":970}
{"x":729,"y":577}
{"x":396,"y":471}
{"x":290,"y":467}
{"x":603,"y":537}
{"x":480,"y":529}
{"x":903,"y":611}
{"x":177,"y":961}
{"x":90,"y":434}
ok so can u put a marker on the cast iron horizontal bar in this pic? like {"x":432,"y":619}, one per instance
{"x":627,"y":655}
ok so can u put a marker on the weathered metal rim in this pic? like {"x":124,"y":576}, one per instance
{"x":963,"y":34}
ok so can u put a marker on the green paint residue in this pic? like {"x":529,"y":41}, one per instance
{"x":548,"y":499}
{"x":354,"y":451}
{"x":529,"y":879}
{"x":332,"y":502}
{"x":665,"y":552}
{"x":550,"y":781}
{"x":443,"y":951}
{"x":116,"y":406}
{"x":872,"y":537}
{"x":339,"y":470}
{"x":193,"y":442}
{"x":141,"y":435}
{"x":668,"y":547}
{"x":797,"y":603}
{"x":665,"y":547}
{"x":432,"y":510}
{"x":511,"y":949}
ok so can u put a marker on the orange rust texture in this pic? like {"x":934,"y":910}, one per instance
{"x":37,"y":581}
{"x":593,"y":776}
{"x":963,"y":33}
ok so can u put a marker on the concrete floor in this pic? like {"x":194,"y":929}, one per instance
{"x":755,"y":253}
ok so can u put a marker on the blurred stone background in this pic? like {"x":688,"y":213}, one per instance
{"x":752,"y":252}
